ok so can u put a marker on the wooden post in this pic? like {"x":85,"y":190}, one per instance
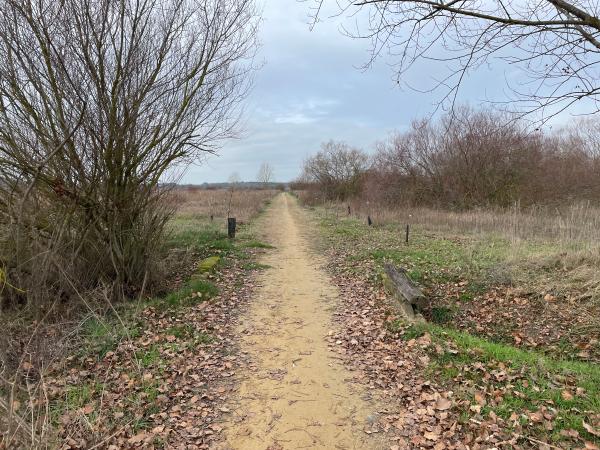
{"x":407,"y":296}
{"x":369,"y":221}
{"x":231,"y":227}
{"x":407,"y":230}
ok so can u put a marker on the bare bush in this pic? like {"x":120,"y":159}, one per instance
{"x":265,"y":174}
{"x":98,"y":99}
{"x":337,"y":170}
{"x":481,"y":158}
{"x":100,"y":103}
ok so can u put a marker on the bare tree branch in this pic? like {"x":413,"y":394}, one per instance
{"x":99,"y":101}
{"x":556,"y":44}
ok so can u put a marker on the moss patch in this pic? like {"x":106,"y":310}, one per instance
{"x":208,"y":264}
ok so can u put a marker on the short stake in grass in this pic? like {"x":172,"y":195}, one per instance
{"x":231,"y":224}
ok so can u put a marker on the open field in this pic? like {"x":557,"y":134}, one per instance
{"x":225,"y":355}
{"x":242,"y":204}
{"x":215,"y":235}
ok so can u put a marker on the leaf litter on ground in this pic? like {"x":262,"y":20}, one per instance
{"x":448,"y":394}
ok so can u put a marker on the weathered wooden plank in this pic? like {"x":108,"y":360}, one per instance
{"x":407,"y":295}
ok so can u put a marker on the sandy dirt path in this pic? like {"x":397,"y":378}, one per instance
{"x":296,"y":394}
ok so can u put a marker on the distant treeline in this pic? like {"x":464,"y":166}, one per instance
{"x":253,"y":185}
{"x":471,"y":158}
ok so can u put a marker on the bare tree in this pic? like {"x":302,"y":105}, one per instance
{"x":233,"y":181}
{"x":337,"y":170}
{"x":99,"y":99}
{"x":265,"y":174}
{"x":556,"y":43}
{"x":485,"y":159}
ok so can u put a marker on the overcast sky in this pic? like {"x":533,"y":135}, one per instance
{"x":311,"y":89}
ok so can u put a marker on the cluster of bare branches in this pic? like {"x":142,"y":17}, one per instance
{"x":101,"y":103}
{"x":485,"y":159}
{"x":554,"y":43}
{"x":99,"y":100}
{"x":337,"y":170}
{"x":470,"y":158}
{"x":265,"y":174}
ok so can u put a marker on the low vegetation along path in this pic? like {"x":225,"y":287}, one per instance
{"x":296,"y":395}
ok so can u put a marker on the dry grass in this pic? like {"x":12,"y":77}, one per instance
{"x":578,"y":223}
{"x":499,"y":274}
{"x":555,"y":248}
{"x":241,"y":204}
{"x":565,"y":238}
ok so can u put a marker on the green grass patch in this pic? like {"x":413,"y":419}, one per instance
{"x":256,"y":244}
{"x":73,"y":399}
{"x":432,"y":258}
{"x":181,"y":331}
{"x":102,"y":334}
{"x":78,"y":396}
{"x":142,"y":400}
{"x":189,"y":333}
{"x":442,"y":314}
{"x":538,"y":380}
{"x":194,"y":292}
{"x":199,"y":239}
{"x":203,"y":339}
{"x":255,"y":266}
{"x":483,"y":260}
{"x":439,"y":260}
{"x":147,"y":357}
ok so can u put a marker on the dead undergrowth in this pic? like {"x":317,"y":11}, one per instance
{"x":94,"y":375}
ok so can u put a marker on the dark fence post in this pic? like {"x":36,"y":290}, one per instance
{"x":349,"y":211}
{"x":407,"y":230}
{"x":231,"y":227}
{"x":369,"y":221}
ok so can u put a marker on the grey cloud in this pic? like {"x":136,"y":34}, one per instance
{"x":310,"y":90}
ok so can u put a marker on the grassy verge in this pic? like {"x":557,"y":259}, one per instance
{"x":485,"y":284}
{"x":535,"y":392}
{"x":208,"y":250}
{"x":524,"y":391}
{"x":434,"y":258}
{"x":115,"y":360}
{"x":143,"y":340}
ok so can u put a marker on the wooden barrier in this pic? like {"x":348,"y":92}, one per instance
{"x":407,"y":298}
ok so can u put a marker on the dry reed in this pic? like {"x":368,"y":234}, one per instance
{"x":242,"y":204}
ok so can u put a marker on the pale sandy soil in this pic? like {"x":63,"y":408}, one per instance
{"x":296,"y":394}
